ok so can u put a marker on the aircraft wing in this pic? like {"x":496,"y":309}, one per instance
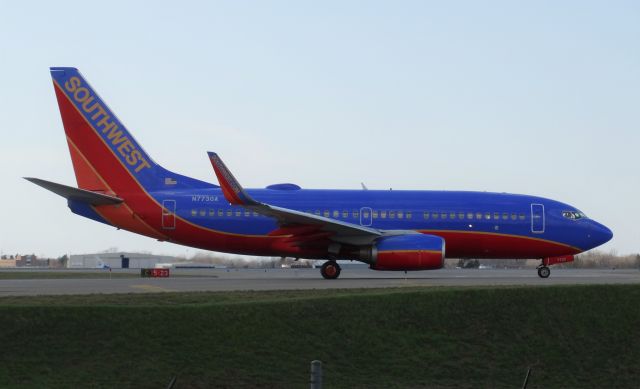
{"x":337,"y":230}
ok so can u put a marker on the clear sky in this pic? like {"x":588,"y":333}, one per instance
{"x":538,"y":97}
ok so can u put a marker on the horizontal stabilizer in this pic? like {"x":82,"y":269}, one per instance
{"x":71,"y":193}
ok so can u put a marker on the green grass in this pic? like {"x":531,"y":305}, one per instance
{"x":578,"y":336}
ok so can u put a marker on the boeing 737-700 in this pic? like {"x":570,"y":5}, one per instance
{"x":119,"y":184}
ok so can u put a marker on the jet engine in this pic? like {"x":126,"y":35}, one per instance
{"x":406,"y":252}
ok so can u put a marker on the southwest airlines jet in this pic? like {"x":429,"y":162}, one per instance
{"x":119,"y":184}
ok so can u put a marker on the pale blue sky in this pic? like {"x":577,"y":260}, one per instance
{"x":538,"y":98}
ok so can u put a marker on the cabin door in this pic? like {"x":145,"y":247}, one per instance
{"x":537,"y":218}
{"x":168,"y":214}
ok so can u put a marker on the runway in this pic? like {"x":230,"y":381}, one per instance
{"x":197,"y":280}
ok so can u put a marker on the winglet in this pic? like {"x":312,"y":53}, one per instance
{"x":233,"y":191}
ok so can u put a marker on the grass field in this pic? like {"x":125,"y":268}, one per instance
{"x":578,"y":336}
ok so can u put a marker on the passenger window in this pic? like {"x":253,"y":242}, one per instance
{"x":443,"y":215}
{"x":212,"y":212}
{"x":521,"y":216}
{"x":487,"y":215}
{"x":496,"y":216}
{"x":365,"y":214}
{"x":317,"y":212}
{"x":400,"y":215}
{"x":355,"y":214}
{"x":238,"y":213}
{"x":325,"y":213}
{"x":203,"y":212}
{"x":374,"y":214}
{"x":408,"y":215}
{"x":425,"y":215}
{"x":478,"y":215}
{"x":336,"y":214}
{"x":229,"y":213}
{"x":470,"y":215}
{"x":220,"y":212}
{"x":345,"y":214}
{"x":255,"y":214}
{"x":435,"y":215}
{"x":383,"y":214}
{"x":513,"y":216}
{"x":247,"y":213}
{"x":194,"y":212}
{"x":392,"y":214}
{"x":452,"y":215}
{"x":505,"y":215}
{"x":461,"y":215}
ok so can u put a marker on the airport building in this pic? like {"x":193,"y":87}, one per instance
{"x":119,"y":260}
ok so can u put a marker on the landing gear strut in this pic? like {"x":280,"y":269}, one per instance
{"x":330,"y":270}
{"x":543,"y":271}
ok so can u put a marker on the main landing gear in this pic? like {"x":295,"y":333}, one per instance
{"x":330,"y":270}
{"x":544,"y":271}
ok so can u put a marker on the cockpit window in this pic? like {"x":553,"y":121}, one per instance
{"x":573,"y":215}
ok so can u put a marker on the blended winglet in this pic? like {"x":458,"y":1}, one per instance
{"x":233,"y":191}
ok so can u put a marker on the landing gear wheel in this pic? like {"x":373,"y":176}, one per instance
{"x":330,"y":270}
{"x":544,"y":272}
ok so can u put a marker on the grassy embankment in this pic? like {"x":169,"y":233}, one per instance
{"x":579,"y":336}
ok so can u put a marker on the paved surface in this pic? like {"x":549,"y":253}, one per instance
{"x":288,"y":279}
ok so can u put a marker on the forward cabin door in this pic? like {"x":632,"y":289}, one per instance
{"x":537,"y":218}
{"x":168,"y":214}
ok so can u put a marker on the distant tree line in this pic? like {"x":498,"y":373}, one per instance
{"x":590,"y":260}
{"x":599,"y":259}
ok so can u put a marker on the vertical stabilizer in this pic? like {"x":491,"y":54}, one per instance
{"x":106,"y":157}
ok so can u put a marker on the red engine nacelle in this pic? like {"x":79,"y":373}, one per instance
{"x":408,"y":252}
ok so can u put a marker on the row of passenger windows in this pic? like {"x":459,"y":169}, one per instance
{"x":374,"y":214}
{"x":474,"y":215}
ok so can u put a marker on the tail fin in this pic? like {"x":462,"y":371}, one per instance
{"x":105,"y":155}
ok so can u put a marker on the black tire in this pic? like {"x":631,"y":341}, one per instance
{"x":330,"y":270}
{"x":544,"y":272}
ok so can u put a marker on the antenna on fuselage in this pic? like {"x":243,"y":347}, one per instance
{"x":364,"y":187}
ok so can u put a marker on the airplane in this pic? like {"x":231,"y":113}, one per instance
{"x":119,"y":184}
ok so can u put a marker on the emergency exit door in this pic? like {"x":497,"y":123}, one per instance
{"x":168,"y":214}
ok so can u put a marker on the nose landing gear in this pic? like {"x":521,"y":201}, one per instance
{"x":330,"y":270}
{"x":543,"y":268}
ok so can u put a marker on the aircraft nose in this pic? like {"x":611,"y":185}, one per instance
{"x":599,"y":233}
